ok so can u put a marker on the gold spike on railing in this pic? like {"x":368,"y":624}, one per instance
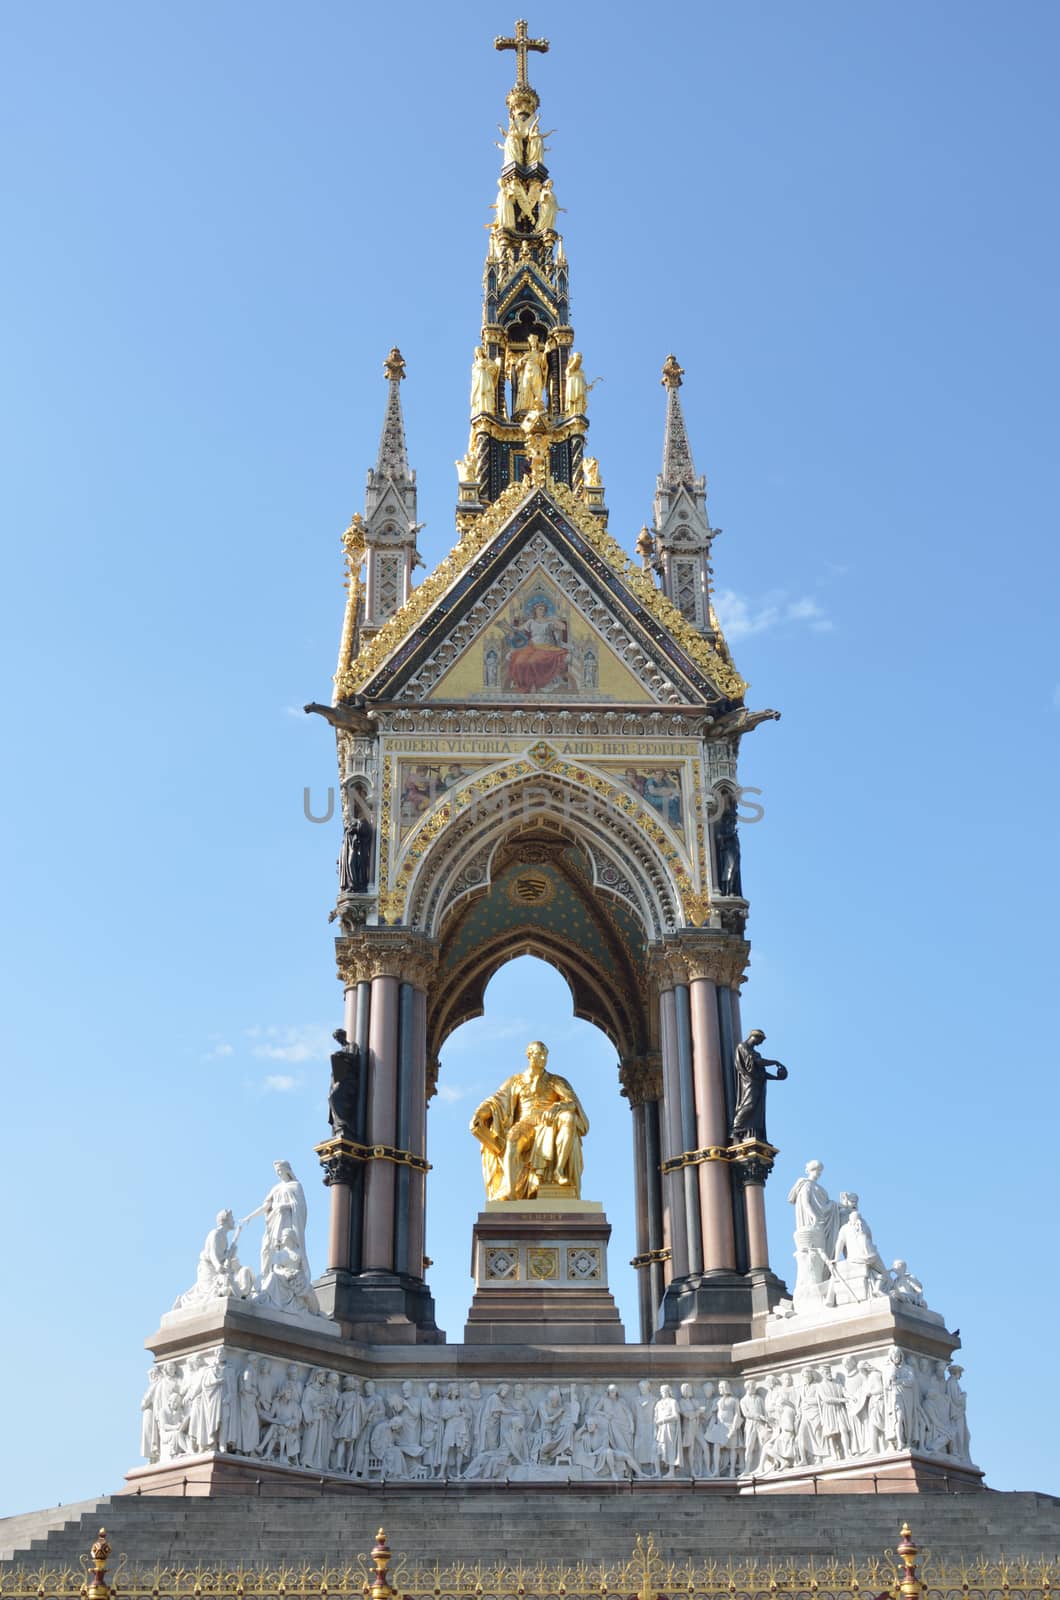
{"x":381,"y":1589}
{"x":910,"y":1586}
{"x":98,"y":1588}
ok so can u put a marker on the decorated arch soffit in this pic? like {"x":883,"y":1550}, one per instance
{"x":539,"y":572}
{"x":543,"y":902}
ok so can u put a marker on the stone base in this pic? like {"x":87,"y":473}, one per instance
{"x":902,"y":1474}
{"x":380,"y":1307}
{"x":717,"y":1307}
{"x":208,"y":1476}
{"x":541,"y":1275}
{"x":587,"y":1370}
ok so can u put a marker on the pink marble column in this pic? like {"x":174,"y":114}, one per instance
{"x":349,"y":1012}
{"x":339,"y":1228}
{"x":382,"y":1126}
{"x":418,"y":1138}
{"x":673,"y":1182}
{"x":715,"y":1188}
{"x":757,"y":1244}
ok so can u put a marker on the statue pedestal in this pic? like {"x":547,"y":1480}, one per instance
{"x":540,"y":1271}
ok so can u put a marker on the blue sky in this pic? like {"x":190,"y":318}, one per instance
{"x":219,"y":218}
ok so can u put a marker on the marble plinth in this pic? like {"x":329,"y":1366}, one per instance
{"x":551,"y":1407}
{"x":540,"y":1271}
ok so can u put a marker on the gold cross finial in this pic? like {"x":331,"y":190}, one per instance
{"x":521,"y":44}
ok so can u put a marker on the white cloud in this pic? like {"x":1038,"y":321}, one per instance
{"x":740,"y":617}
{"x":218,"y":1051}
{"x":280,"y":1083}
{"x":450,"y":1093}
{"x":309,"y":1042}
{"x":485,"y":1031}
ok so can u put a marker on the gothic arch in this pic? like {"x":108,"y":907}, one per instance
{"x":628,"y":851}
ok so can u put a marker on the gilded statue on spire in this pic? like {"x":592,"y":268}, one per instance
{"x":531,"y":375}
{"x":531,"y":1133}
{"x":484,"y":375}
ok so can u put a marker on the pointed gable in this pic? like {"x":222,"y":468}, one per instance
{"x":539,"y":602}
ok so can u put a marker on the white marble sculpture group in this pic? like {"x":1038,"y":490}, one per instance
{"x":792,"y":1416}
{"x":284,"y":1282}
{"x":324,"y":1421}
{"x":837,"y":1263}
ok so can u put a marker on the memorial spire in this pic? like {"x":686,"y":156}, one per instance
{"x":683,"y":534}
{"x":529,"y":393}
{"x":389,"y":528}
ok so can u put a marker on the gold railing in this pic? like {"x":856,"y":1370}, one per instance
{"x":646,"y":1575}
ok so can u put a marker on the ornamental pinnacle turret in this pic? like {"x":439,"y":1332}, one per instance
{"x":528,"y":387}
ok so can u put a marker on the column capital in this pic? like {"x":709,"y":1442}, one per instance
{"x":386,"y":953}
{"x":718,"y":957}
{"x":338,"y":1162}
{"x":641,"y":1078}
{"x":700,"y":953}
{"x":666,"y":966}
{"x":752,"y":1161}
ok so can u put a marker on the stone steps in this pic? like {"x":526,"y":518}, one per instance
{"x":560,"y":1526}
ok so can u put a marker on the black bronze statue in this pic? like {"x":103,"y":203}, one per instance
{"x":355,"y":862}
{"x":345,"y":1079}
{"x":727,"y":844}
{"x":749,"y":1118}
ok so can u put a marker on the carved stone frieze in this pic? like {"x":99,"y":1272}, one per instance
{"x":785,"y":1417}
{"x":518,"y":721}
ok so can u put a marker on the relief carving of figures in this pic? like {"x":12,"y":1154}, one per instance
{"x":249,"y":1413}
{"x":644,"y":1430}
{"x":729,"y":1417}
{"x":935,"y":1406}
{"x":456,"y":1433}
{"x":621,"y":1427}
{"x":834,"y":1421}
{"x":958,"y":1401}
{"x":319,"y":1421}
{"x":349,"y":1420}
{"x":756,"y":1428}
{"x":667,"y":1431}
{"x":150,"y":1425}
{"x":900,"y":1401}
